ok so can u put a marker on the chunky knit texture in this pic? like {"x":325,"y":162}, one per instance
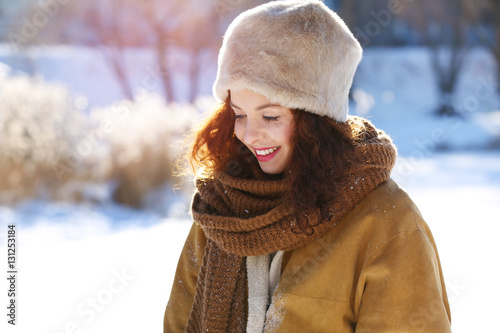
{"x":246,"y":217}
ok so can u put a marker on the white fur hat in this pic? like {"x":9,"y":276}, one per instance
{"x":299,"y":54}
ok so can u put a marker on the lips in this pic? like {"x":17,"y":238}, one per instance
{"x":266,"y":154}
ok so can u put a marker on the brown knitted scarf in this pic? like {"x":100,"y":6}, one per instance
{"x":243,"y":217}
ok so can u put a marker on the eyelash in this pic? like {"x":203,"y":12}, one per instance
{"x":270,"y":119}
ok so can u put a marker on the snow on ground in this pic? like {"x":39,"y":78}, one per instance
{"x":108,"y":269}
{"x":79,"y":274}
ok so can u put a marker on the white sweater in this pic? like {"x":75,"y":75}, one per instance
{"x":263,"y":274}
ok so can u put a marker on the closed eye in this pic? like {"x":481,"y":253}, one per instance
{"x":271,"y":118}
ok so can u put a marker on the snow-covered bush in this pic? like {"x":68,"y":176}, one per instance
{"x":141,"y":141}
{"x":38,"y":124}
{"x":53,"y":149}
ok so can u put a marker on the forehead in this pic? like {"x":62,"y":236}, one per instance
{"x":248,"y":99}
{"x":247,"y":95}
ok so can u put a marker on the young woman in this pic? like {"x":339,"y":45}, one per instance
{"x":298,"y":227}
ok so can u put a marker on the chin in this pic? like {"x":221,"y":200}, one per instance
{"x":271,"y":170}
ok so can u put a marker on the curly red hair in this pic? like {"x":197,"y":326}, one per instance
{"x":321,"y":149}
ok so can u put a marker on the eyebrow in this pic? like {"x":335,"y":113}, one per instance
{"x":261,"y":107}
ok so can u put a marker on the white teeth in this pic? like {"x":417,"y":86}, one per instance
{"x":266,"y":151}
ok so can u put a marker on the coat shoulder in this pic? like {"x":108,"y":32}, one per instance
{"x":385,"y":212}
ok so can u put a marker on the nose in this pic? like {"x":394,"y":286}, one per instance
{"x":253,"y":133}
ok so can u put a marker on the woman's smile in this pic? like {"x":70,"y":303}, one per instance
{"x":266,"y":154}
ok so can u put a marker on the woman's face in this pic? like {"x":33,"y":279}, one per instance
{"x":265,"y":128}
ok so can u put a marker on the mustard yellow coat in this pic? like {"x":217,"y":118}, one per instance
{"x":378,"y":270}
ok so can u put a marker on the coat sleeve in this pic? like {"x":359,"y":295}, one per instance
{"x":401,"y":288}
{"x":184,"y":285}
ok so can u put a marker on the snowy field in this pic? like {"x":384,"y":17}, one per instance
{"x":106,"y":268}
{"x":99,"y":269}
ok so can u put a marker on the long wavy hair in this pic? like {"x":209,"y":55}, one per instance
{"x":322,"y":149}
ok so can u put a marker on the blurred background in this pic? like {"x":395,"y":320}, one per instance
{"x":96,"y":99}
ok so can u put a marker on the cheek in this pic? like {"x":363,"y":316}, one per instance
{"x":238,"y":131}
{"x":287,"y":134}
